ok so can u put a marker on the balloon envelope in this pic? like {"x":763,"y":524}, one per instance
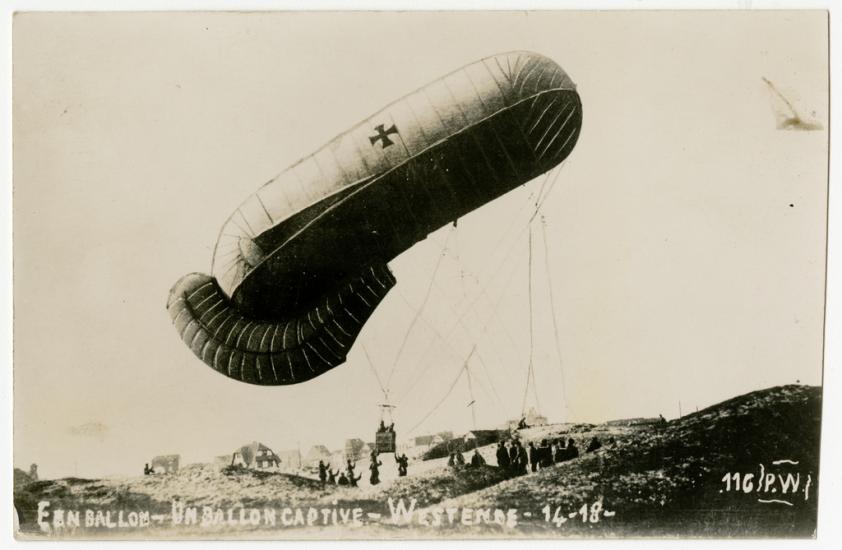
{"x":300,"y":265}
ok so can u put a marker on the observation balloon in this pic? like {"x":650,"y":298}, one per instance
{"x":301,"y":264}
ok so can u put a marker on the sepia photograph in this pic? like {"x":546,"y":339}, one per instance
{"x":368,"y":275}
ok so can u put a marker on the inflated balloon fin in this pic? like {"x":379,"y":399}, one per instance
{"x":274,"y":352}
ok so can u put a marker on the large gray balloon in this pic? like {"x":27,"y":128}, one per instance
{"x":301,"y":264}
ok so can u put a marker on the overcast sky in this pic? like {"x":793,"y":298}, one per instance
{"x":685,"y":235}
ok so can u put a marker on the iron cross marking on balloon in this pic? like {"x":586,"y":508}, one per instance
{"x":383,"y":135}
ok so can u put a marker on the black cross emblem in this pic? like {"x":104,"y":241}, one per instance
{"x":383,"y":135}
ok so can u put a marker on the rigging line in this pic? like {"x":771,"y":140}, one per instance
{"x":543,"y":184}
{"x":460,"y":319}
{"x":531,"y":334}
{"x":412,"y":386}
{"x":470,"y":334}
{"x":374,"y":370}
{"x":514,"y":221}
{"x":512,"y":247}
{"x":490,"y":381}
{"x":490,"y":397}
{"x":470,"y":306}
{"x":528,"y":225}
{"x":486,"y":370}
{"x":531,"y":313}
{"x":456,"y":252}
{"x":437,"y":335}
{"x":554,"y":174}
{"x":535,"y":391}
{"x":525,"y":395}
{"x":517,"y":237}
{"x":552,"y":310}
{"x":547,"y":194}
{"x":485,"y":328}
{"x":538,"y":204}
{"x":445,"y":341}
{"x":483,"y":293}
{"x":471,"y":395}
{"x":418,"y":310}
{"x":531,"y":372}
{"x":444,"y":397}
{"x":494,"y":316}
{"x":495,"y":394}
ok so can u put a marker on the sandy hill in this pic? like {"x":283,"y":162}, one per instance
{"x":669,"y":481}
{"x":657,"y":481}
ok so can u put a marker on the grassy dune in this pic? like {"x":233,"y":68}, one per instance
{"x":657,"y":481}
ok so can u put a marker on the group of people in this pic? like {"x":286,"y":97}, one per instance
{"x":457,"y":459}
{"x":348,"y":477}
{"x":512,"y":458}
{"x":401,"y":461}
{"x":518,"y":460}
{"x":345,"y":478}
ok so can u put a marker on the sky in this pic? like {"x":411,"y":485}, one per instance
{"x":681,"y":246}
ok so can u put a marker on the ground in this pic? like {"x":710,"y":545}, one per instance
{"x":746,"y":467}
